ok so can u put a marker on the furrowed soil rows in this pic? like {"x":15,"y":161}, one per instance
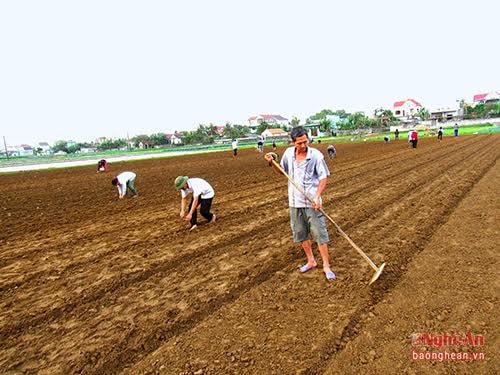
{"x":94,"y":285}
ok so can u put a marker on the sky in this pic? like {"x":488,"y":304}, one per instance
{"x":79,"y":70}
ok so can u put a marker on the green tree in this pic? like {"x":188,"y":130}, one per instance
{"x":235,"y":131}
{"x":112,"y":144}
{"x":325,"y":125}
{"x":60,"y":146}
{"x":384,"y":118}
{"x":144,"y":138}
{"x":74,"y":148}
{"x":295,"y":121}
{"x":263,"y":126}
{"x":357,"y":120}
{"x":158,"y":139}
{"x":424,"y":114}
{"x":319,"y":116}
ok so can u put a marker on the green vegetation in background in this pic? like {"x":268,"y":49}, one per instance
{"x":466,"y":130}
{"x":251,"y":143}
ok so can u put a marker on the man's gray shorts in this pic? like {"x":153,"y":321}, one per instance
{"x":306,"y":220}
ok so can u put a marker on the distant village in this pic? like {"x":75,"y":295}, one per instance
{"x":405,"y":114}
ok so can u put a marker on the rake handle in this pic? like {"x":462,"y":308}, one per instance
{"x":342,"y":233}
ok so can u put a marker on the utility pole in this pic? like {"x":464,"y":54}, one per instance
{"x":5,"y":145}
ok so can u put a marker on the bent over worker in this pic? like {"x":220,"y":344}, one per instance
{"x":124,"y":182}
{"x":307,"y":168}
{"x":202,"y":195}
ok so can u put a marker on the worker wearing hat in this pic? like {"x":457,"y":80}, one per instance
{"x":202,"y":195}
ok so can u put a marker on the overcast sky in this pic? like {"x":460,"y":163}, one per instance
{"x":77,"y":70}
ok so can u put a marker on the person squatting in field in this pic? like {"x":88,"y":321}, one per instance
{"x":125,"y":182}
{"x":307,"y":167}
{"x":202,"y":195}
{"x":102,"y":165}
{"x":440,"y":133}
{"x":332,"y":152}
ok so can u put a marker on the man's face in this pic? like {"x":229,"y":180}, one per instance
{"x":301,"y":143}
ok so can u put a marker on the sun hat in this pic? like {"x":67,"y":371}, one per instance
{"x":180,"y":181}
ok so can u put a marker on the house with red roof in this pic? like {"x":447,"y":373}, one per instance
{"x":174,"y":139}
{"x":489,"y":97}
{"x":276,"y":120}
{"x":406,"y":109}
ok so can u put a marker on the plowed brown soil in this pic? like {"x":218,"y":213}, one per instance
{"x":95,"y":285}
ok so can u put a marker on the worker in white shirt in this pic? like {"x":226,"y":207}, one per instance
{"x":202,"y":195}
{"x":124,"y":182}
{"x":234,"y":144}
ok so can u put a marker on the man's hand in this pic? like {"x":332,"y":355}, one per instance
{"x":188,"y":217}
{"x":317,"y":205}
{"x":269,"y":156}
{"x":182,"y":214}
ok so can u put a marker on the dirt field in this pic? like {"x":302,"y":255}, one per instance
{"x":95,"y":285}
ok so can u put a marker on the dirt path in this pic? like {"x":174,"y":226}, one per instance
{"x":95,"y":285}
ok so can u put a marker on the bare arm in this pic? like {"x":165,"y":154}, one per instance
{"x":317,"y":199}
{"x":194,"y":205}
{"x":183,"y":207}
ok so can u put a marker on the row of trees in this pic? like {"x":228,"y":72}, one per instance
{"x":350,"y":121}
{"x":71,"y":148}
{"x":207,"y":134}
{"x":488,"y":110}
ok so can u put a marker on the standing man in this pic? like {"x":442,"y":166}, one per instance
{"x":202,"y":195}
{"x":234,"y":144}
{"x":414,"y":138}
{"x":455,"y":130}
{"x":260,"y":144}
{"x":396,"y":134}
{"x":307,"y":167}
{"x":124,"y":182}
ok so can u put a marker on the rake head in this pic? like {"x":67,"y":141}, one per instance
{"x":377,"y":273}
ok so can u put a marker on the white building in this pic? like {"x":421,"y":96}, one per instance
{"x":45,"y":147}
{"x":276,"y":120}
{"x":405,"y":110}
{"x":489,"y":97}
{"x":274,"y":133}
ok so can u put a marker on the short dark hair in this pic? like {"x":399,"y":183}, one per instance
{"x":114,"y":181}
{"x":297,"y":132}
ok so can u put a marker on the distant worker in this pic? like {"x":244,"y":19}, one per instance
{"x":102,"y":165}
{"x":234,"y":144}
{"x":332,"y":152}
{"x":414,"y":138}
{"x":387,"y":139}
{"x":396,"y":135}
{"x":260,"y":144}
{"x":125,"y":181}
{"x":440,"y":133}
{"x":455,"y":130}
{"x":274,"y":146}
{"x":202,"y":195}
